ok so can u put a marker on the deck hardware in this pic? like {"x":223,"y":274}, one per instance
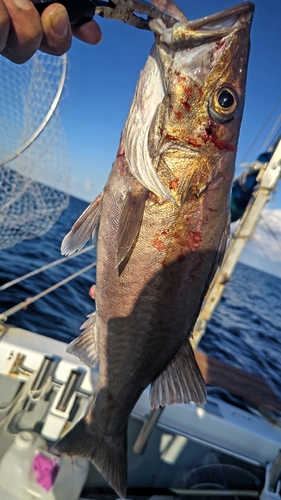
{"x":147,"y":430}
{"x":58,"y":416}
{"x":215,"y":493}
{"x":17,"y":367}
{"x":70,"y":387}
{"x":275,"y":474}
{"x":44,"y":371}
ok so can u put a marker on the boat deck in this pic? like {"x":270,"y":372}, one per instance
{"x":252,"y":388}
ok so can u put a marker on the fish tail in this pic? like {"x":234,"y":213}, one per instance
{"x":108,"y":453}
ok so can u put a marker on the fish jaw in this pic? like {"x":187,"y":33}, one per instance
{"x":188,"y":34}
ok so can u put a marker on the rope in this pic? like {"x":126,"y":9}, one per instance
{"x":267,"y":256}
{"x":36,"y":394}
{"x":30,"y":300}
{"x":43,"y":268}
{"x":269,"y":139}
{"x":261,"y":130}
{"x":17,"y":403}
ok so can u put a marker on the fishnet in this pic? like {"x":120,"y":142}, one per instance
{"x":31,"y":184}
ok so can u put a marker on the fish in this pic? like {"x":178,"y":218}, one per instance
{"x":161,"y":226}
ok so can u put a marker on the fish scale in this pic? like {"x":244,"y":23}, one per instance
{"x":162,"y":223}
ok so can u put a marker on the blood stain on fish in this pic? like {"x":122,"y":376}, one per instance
{"x":157,"y":243}
{"x":196,"y":238}
{"x":219,"y":44}
{"x":188,"y":93}
{"x":210,"y":135}
{"x":112,"y":401}
{"x":192,"y":142}
{"x":178,"y":115}
{"x":174,"y":184}
{"x":121,"y":151}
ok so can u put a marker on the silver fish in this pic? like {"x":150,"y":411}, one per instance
{"x":161,"y":226}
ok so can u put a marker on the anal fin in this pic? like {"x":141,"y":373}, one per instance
{"x":85,"y":346}
{"x":180,"y":382}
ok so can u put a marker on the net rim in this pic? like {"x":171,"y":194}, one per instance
{"x":47,"y":118}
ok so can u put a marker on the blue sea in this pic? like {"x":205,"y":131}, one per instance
{"x":245,"y":330}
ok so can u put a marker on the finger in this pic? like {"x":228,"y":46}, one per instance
{"x":89,"y":32}
{"x":4,"y":25}
{"x":25,"y":32}
{"x":56,"y":30}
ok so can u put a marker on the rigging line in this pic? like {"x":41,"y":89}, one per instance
{"x":43,"y":268}
{"x":261,"y":130}
{"x":271,"y":232}
{"x":268,"y":140}
{"x":30,"y":300}
{"x":272,"y":262}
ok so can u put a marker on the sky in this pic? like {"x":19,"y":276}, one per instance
{"x":263,"y":251}
{"x":100,"y":85}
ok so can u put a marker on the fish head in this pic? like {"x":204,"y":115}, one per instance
{"x":203,"y":64}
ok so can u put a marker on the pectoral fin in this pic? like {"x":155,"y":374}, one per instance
{"x":130,"y":223}
{"x":180,"y":382}
{"x":85,"y":346}
{"x":86,"y":226}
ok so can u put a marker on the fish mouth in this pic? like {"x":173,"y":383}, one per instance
{"x":227,"y":19}
{"x":209,"y":28}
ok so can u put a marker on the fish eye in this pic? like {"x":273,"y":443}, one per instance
{"x":224,"y":104}
{"x":225,"y":99}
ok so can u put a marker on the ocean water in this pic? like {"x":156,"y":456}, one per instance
{"x":59,"y":314}
{"x":245,"y":330}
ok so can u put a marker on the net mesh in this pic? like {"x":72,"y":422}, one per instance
{"x":34,"y":162}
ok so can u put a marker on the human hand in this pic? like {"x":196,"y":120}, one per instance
{"x":22,"y":31}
